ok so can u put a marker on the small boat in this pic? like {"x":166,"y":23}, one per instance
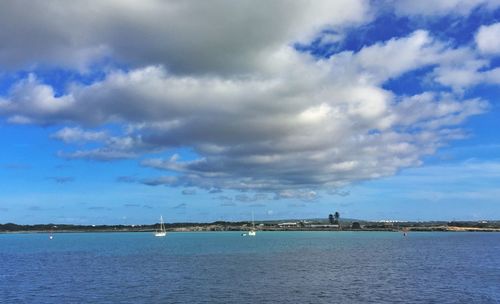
{"x":162,"y":232}
{"x":51,"y":233}
{"x":405,"y":232}
{"x":252,"y":231}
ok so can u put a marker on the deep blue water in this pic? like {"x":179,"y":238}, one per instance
{"x":273,"y":267}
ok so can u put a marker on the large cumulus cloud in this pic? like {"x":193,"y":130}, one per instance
{"x":225,"y":81}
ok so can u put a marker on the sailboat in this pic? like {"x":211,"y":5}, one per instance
{"x":252,"y":231}
{"x":51,"y":234}
{"x":162,"y":232}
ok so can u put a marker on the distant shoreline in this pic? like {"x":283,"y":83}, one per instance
{"x":277,"y":225}
{"x":211,"y":229}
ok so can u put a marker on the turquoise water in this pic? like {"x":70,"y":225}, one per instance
{"x":274,"y":267}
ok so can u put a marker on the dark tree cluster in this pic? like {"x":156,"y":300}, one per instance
{"x":334,"y":218}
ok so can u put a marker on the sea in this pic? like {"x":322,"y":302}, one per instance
{"x":272,"y":267}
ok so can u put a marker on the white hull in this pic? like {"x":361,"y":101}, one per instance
{"x":162,"y":232}
{"x":252,"y":232}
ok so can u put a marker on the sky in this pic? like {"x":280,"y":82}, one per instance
{"x":117,"y":111}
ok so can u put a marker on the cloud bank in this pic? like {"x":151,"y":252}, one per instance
{"x":223,"y":78}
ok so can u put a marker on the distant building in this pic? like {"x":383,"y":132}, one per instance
{"x":323,"y":226}
{"x":288,"y":225}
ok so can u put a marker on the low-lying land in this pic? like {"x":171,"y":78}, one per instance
{"x":352,"y":225}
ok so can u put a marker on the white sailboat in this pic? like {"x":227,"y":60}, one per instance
{"x":162,"y":232}
{"x":252,"y":231}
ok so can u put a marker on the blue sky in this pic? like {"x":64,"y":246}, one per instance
{"x":114,"y":112}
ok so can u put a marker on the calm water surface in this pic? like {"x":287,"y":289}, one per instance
{"x":273,"y":267}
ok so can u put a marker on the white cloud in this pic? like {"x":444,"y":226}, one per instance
{"x":488,"y":39}
{"x":260,"y":115}
{"x":77,"y":135}
{"x":392,"y":58}
{"x":470,"y":73}
{"x":442,"y":7}
{"x":299,"y":123}
{"x":428,"y":111}
{"x":37,"y":102}
{"x":493,"y":76}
